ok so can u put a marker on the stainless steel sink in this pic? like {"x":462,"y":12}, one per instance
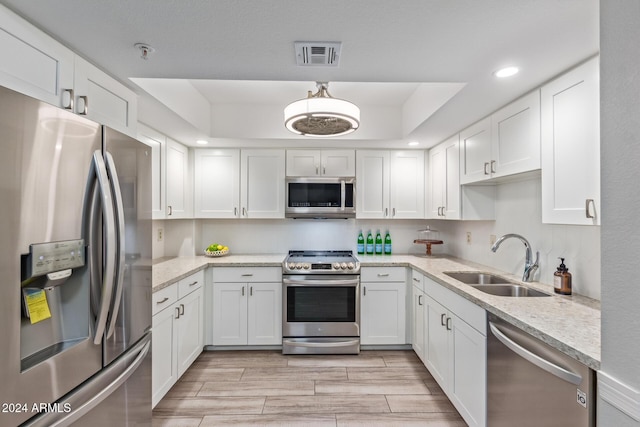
{"x":494,"y":285}
{"x":476,"y":277}
{"x":510,"y":290}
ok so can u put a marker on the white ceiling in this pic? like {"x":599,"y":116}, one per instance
{"x":238,"y":56}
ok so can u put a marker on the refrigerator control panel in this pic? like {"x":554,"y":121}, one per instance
{"x":47,"y":258}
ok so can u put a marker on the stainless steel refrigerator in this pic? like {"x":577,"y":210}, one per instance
{"x":75,"y":270}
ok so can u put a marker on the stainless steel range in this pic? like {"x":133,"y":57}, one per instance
{"x":321,"y":303}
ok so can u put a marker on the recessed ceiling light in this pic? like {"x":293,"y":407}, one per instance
{"x":202,"y":142}
{"x":414,"y":143}
{"x":506,"y":72}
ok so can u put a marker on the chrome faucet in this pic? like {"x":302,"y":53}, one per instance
{"x":530,"y":267}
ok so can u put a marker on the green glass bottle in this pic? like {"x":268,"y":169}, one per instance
{"x":360,"y":243}
{"x":378,"y":243}
{"x":370,"y":243}
{"x":387,"y":243}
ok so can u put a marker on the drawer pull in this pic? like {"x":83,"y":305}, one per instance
{"x":416,"y":280}
{"x":383,"y":274}
{"x":193,"y":284}
{"x":247,"y":275}
{"x":163,"y":300}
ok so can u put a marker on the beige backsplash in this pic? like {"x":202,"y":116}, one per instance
{"x":518,"y":210}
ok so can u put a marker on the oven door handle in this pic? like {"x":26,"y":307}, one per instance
{"x":321,"y":283}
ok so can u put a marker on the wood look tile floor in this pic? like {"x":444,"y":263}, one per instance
{"x":266,"y":388}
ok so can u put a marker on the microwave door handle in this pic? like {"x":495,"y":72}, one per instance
{"x":343,"y":190}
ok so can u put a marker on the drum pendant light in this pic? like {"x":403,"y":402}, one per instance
{"x":321,"y":115}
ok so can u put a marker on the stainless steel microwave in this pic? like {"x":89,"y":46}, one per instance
{"x":320,"y":197}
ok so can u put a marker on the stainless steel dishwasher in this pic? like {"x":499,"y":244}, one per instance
{"x":529,"y":383}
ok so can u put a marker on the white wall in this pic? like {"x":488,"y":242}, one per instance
{"x":620,"y":155}
{"x":518,"y":210}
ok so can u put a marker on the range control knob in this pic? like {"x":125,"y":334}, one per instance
{"x":335,"y":266}
{"x":291,"y":265}
{"x":343,"y":266}
{"x":298,"y":266}
{"x":351,"y":266}
{"x":306,"y":266}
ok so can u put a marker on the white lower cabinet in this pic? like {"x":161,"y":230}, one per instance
{"x":178,"y":337}
{"x":247,"y":306}
{"x":418,"y":313}
{"x":383,"y":305}
{"x":456,"y":350}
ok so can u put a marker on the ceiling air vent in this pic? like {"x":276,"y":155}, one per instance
{"x":318,"y":53}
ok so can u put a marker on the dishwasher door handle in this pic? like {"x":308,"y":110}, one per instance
{"x":541,"y":363}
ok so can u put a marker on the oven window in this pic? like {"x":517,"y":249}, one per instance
{"x":314,"y":195}
{"x":321,"y":304}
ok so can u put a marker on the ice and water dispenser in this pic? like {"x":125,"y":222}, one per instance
{"x":55,"y":313}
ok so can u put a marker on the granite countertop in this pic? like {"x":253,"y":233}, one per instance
{"x":569,"y":323}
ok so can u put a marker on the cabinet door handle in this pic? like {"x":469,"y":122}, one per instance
{"x":163,"y":300}
{"x":244,"y":212}
{"x":393,"y":212}
{"x":170,"y":210}
{"x":364,"y":291}
{"x":243,"y":291}
{"x":67,"y":99}
{"x":317,"y":170}
{"x":448,"y":323}
{"x":83,"y":107}
{"x":442,"y":321}
{"x":324,"y":170}
{"x":235,"y":211}
{"x":493,"y":166}
{"x":486,"y":164}
{"x":250,"y":291}
{"x":419,"y":299}
{"x":587,"y":204}
{"x":177,"y":313}
{"x":386,"y":212}
{"x":181,"y":309}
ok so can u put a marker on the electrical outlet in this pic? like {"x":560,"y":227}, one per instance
{"x":492,"y":239}
{"x":160,"y":234}
{"x":468,"y":237}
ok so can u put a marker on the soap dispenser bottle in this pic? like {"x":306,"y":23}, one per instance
{"x":562,"y":279}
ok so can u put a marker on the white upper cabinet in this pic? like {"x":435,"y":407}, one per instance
{"x":406,"y":199}
{"x":571,"y":147}
{"x":103,"y":99}
{"x":321,"y":163}
{"x":40,"y":67}
{"x":216,"y":183}
{"x":389,"y":184}
{"x":444,"y":180}
{"x":157,"y":142}
{"x":506,"y":143}
{"x":33,"y":63}
{"x":178,"y":178}
{"x":515,"y":135}
{"x":475,"y":152}
{"x":262,"y":183}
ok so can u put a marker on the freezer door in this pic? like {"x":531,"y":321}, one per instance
{"x":45,"y":158}
{"x":531,"y":384}
{"x":128,"y":162}
{"x":120,"y":395}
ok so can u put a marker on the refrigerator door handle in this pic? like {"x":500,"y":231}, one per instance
{"x":110,"y":249}
{"x":97,"y":389}
{"x":120,"y":246}
{"x":541,"y":363}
